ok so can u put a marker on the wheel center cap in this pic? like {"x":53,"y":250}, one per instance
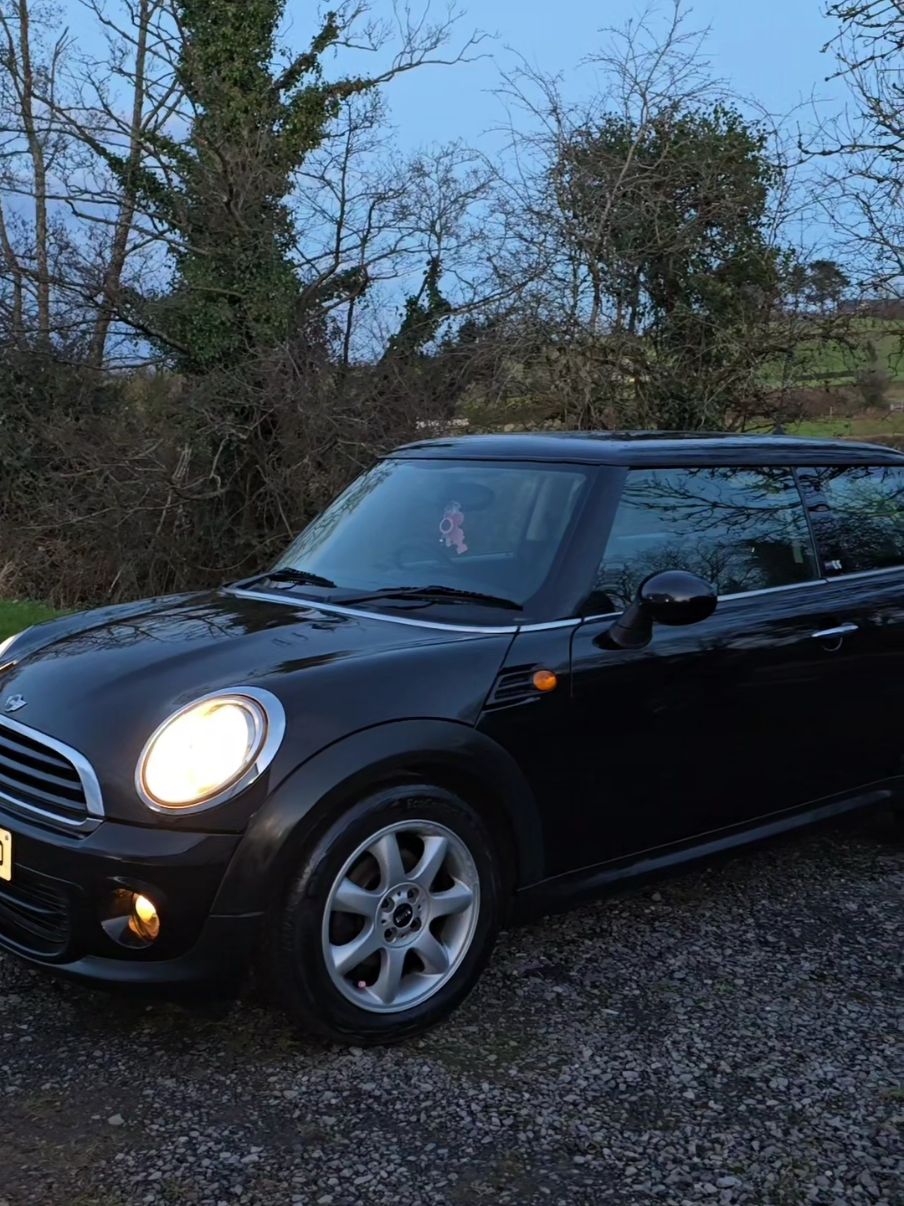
{"x":403,"y":915}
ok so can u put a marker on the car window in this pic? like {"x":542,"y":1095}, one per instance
{"x":858,"y":516}
{"x":489,"y":527}
{"x":740,"y":529}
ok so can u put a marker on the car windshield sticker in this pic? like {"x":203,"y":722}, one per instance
{"x":451,"y":528}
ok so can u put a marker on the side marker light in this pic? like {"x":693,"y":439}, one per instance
{"x":545,"y":680}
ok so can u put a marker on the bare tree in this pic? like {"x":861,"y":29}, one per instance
{"x":865,"y":144}
{"x":31,"y":61}
{"x":134,"y":55}
{"x":643,"y":70}
{"x":67,"y":226}
{"x":646,"y":224}
{"x":370,"y":219}
{"x":118,"y":121}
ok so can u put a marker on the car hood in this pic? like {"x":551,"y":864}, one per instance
{"x":102,"y":681}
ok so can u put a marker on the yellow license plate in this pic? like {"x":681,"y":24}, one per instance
{"x":6,"y":854}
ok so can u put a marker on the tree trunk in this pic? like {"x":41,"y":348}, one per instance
{"x":125,"y":218}
{"x":39,"y":169}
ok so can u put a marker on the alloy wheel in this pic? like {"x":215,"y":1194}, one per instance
{"x":400,"y":916}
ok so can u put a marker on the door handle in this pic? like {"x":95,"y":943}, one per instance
{"x":828,"y":634}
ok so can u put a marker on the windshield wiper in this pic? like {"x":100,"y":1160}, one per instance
{"x":299,"y":577}
{"x":429,"y":593}
{"x":425,"y":593}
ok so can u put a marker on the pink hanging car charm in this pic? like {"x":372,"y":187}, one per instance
{"x":451,"y":528}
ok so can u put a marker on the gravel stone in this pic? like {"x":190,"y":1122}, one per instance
{"x":739,"y":1041}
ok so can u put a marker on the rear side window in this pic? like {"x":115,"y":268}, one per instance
{"x":858,"y":516}
{"x":741,"y":529}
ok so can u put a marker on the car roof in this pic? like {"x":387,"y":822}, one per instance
{"x":650,"y":448}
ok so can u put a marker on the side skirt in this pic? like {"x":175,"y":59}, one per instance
{"x":564,"y":891}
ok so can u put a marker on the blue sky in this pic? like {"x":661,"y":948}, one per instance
{"x":768,"y":49}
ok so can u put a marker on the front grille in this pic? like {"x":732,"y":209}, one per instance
{"x":34,"y":913}
{"x":46,"y":779}
{"x":39,"y":776}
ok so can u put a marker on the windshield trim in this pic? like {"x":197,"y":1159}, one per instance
{"x":317,"y":605}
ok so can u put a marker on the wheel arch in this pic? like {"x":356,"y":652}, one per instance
{"x":445,"y":753}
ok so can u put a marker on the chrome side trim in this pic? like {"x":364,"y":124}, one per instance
{"x":572,"y":623}
{"x":367,"y":615}
{"x":745,"y":594}
{"x":774,"y":590}
{"x":94,"y":803}
{"x":270,"y":723}
{"x":889,"y":569}
{"x":316,"y":605}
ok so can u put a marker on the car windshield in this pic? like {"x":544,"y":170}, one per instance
{"x":469,"y":526}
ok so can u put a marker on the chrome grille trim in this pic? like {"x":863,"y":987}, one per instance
{"x":94,"y":807}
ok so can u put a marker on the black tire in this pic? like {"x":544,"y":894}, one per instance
{"x":295,"y":963}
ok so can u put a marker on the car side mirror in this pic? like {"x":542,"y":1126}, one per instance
{"x":673,"y":597}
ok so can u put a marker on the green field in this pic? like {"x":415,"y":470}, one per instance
{"x":864,"y":427}
{"x":836,"y":363}
{"x":16,"y":616}
{"x":870,"y":342}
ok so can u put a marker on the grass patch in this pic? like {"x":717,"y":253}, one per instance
{"x":868,"y":343}
{"x":16,"y":616}
{"x":864,"y":427}
{"x":864,"y":343}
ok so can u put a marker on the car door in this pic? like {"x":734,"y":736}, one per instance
{"x":857,"y":515}
{"x":730,"y":720}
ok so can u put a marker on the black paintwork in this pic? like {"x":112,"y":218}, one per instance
{"x":699,"y":739}
{"x":105,"y":687}
{"x":644,"y":448}
{"x":674,"y":598}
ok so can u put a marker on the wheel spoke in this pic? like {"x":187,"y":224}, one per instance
{"x":386,"y":852}
{"x":435,"y":851}
{"x":390,"y":977}
{"x":433,"y":954}
{"x":455,"y":900}
{"x":350,"y":898}
{"x":350,"y":954}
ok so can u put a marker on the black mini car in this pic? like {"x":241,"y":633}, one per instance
{"x":496,"y":675}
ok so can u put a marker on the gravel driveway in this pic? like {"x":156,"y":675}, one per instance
{"x":731,"y":1036}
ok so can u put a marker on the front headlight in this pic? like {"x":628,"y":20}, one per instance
{"x":210,"y":750}
{"x":9,"y":642}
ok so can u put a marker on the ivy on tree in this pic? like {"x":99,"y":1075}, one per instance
{"x":671,"y":217}
{"x":235,"y":288}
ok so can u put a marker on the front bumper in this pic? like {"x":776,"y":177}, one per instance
{"x":52,"y":909}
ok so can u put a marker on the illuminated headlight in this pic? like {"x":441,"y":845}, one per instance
{"x":209,"y":750}
{"x":6,"y":645}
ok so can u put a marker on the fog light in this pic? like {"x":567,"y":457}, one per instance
{"x":144,"y":920}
